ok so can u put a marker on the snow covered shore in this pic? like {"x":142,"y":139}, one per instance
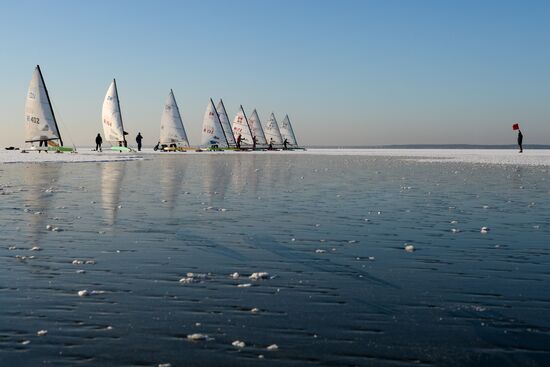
{"x":537,"y":157}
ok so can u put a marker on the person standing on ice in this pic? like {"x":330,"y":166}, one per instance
{"x":239,"y":138}
{"x":98,"y":142}
{"x":254,"y":140}
{"x":520,"y":136}
{"x":139,"y":138}
{"x":285,"y":143}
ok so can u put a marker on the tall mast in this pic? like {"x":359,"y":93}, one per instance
{"x":178,"y":109}
{"x":292,"y":129}
{"x":247,"y":124}
{"x":225,"y":112}
{"x":220,"y":121}
{"x":260,"y":124}
{"x":50,"y":103}
{"x":119,"y":110}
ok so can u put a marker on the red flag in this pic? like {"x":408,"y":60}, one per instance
{"x":515,"y":127}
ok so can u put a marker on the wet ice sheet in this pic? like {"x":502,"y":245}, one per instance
{"x":132,"y":230}
{"x":85,"y":155}
{"x":538,"y":157}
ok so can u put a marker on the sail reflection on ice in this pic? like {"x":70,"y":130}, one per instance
{"x":112,"y":175}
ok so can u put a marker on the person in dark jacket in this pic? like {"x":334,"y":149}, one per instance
{"x":98,"y":142}
{"x":285,"y":143}
{"x":239,"y":138}
{"x":520,"y":141}
{"x":254,"y":140}
{"x":139,"y":138}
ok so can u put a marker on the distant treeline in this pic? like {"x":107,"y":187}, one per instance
{"x":431,"y":146}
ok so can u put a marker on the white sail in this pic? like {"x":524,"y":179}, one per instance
{"x":112,"y":118}
{"x":256,"y":127}
{"x":272,"y":133}
{"x":287,"y":132}
{"x":40,"y":121}
{"x":212,"y":131}
{"x":226,"y":124}
{"x":171,"y":125}
{"x":241,"y":127}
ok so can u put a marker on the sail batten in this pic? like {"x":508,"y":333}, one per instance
{"x":112,"y":116}
{"x":212,"y":131}
{"x":242,"y":128}
{"x":272,"y":132}
{"x":226,"y":124}
{"x":40,"y":122}
{"x":172,"y":130}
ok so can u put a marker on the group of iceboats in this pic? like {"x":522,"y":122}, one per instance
{"x":218,"y":133}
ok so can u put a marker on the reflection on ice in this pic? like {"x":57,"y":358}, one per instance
{"x":39,"y":190}
{"x":112,"y":175}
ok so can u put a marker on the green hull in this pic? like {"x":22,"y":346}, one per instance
{"x":220,"y":149}
{"x":60,"y":149}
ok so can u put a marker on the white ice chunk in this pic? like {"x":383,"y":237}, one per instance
{"x":197,"y":337}
{"x":238,"y":344}
{"x":259,"y":275}
{"x":409,"y":247}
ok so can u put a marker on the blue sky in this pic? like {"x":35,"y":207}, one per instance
{"x":347,"y":72}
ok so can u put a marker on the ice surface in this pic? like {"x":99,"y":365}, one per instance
{"x":477,"y":296}
{"x":536,"y":157}
{"x":15,"y":156}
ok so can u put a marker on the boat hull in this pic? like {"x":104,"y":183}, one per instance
{"x":61,"y":149}
{"x":122,"y":149}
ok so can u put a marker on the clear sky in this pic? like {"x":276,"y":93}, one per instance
{"x":347,"y":72}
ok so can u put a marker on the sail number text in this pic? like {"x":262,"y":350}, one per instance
{"x":34,"y":120}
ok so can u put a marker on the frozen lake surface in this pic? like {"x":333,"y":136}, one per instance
{"x":536,"y":157}
{"x":96,"y":259}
